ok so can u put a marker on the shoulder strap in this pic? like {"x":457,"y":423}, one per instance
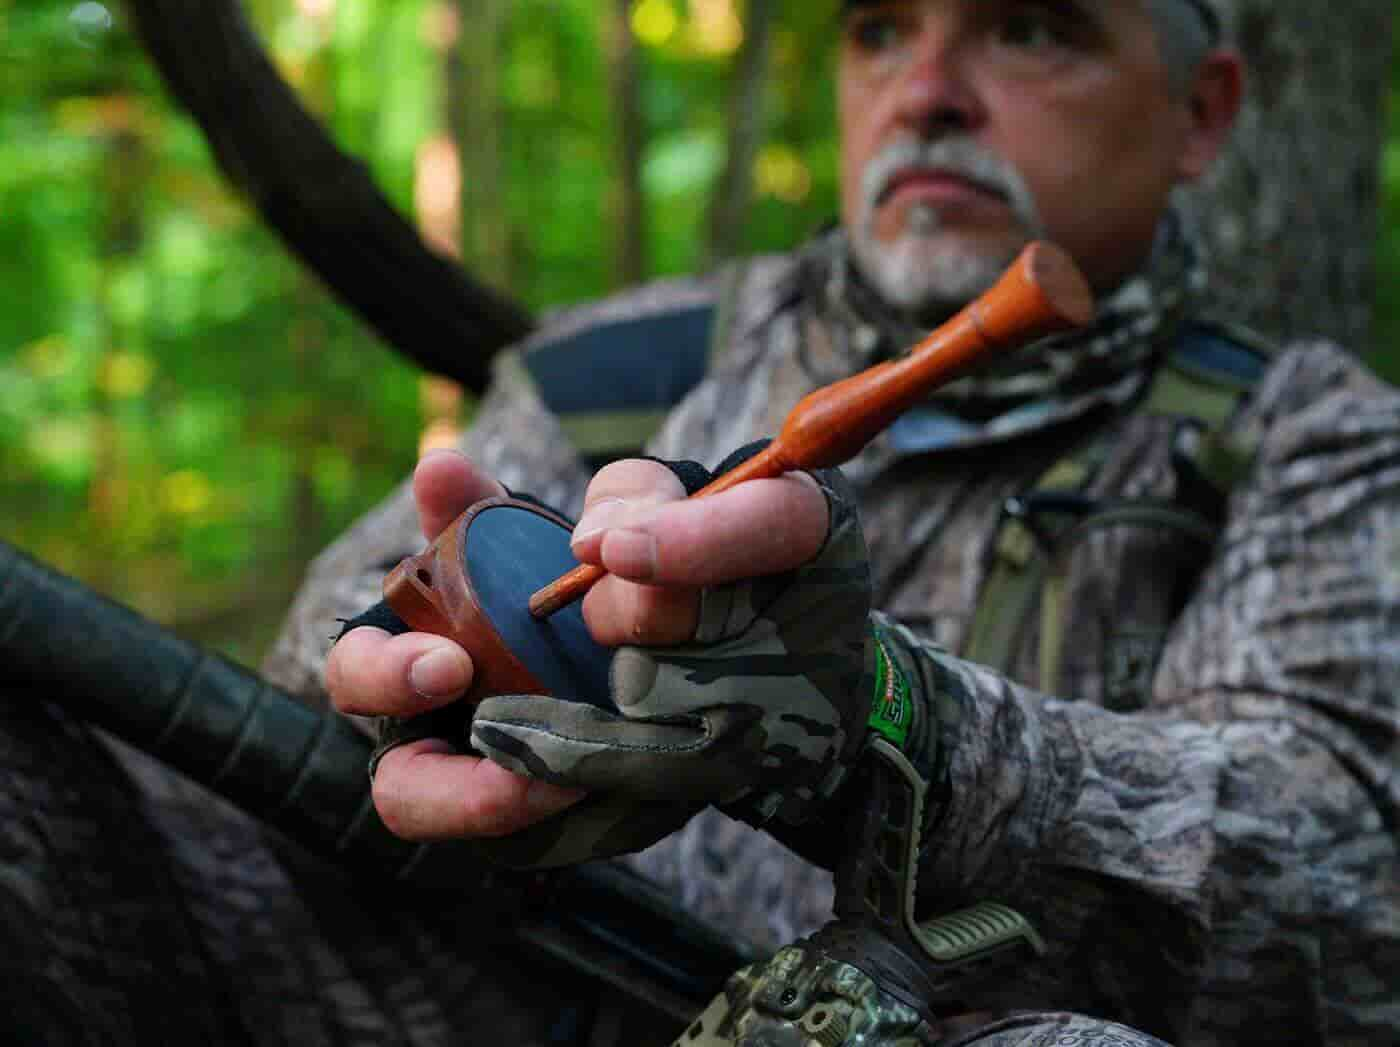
{"x":1203,"y":381}
{"x":611,"y":385}
{"x":1209,"y":370}
{"x":1206,"y":373}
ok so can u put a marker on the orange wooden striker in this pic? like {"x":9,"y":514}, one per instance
{"x":473,"y":583}
{"x":1042,"y":293}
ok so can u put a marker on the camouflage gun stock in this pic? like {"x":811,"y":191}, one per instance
{"x":302,"y":772}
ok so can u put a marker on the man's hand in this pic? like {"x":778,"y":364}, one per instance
{"x":745,"y":671}
{"x":680,"y":584}
{"x":426,"y":790}
{"x":661,"y":550}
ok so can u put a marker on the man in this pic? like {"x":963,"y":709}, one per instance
{"x":1199,"y":826}
{"x":1213,"y":857}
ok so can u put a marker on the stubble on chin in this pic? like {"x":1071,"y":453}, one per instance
{"x":927,"y":269}
{"x":921,"y":271}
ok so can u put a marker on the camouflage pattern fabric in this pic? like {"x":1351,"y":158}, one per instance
{"x":138,"y":908}
{"x":763,"y":712}
{"x":1214,"y":859}
{"x":801,"y":998}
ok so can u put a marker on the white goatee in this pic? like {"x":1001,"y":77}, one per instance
{"x":918,"y":271}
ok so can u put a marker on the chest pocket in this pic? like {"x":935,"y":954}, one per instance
{"x":1083,"y":590}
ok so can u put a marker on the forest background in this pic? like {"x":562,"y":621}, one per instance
{"x":186,"y":416}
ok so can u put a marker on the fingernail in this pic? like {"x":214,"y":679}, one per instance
{"x":598,"y":517}
{"x":632,"y":554}
{"x":441,"y":673}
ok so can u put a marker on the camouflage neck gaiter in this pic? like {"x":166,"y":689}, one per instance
{"x":1109,"y":361}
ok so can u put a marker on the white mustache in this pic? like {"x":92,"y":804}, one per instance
{"x":957,"y":156}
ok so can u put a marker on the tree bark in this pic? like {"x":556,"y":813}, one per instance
{"x":1289,"y":215}
{"x":319,"y":199}
{"x":732,"y":194}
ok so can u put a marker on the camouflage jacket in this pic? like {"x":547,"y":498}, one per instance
{"x":1209,"y":850}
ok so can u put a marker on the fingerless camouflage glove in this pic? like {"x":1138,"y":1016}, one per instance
{"x":764,"y":712}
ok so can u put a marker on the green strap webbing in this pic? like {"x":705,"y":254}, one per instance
{"x":1021,"y":573}
{"x":1176,"y":392}
{"x":1007,"y":599}
{"x":1204,"y":379}
{"x":609,"y":434}
{"x":1052,"y":625}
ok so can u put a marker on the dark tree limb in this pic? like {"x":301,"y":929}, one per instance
{"x":321,"y":201}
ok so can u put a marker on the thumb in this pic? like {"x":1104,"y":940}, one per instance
{"x":445,"y":483}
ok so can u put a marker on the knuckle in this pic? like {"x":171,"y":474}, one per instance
{"x":350,"y":672}
{"x":345,"y":684}
{"x":390,"y":800}
{"x":622,"y":612}
{"x":488,"y":813}
{"x":332,"y":680}
{"x":634,"y":478}
{"x":662,"y":616}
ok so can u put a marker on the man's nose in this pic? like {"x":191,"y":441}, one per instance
{"x":934,"y":94}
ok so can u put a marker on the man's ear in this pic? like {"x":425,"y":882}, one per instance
{"x":1213,"y":103}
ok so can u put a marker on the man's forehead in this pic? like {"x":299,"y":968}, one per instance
{"x":1204,"y":8}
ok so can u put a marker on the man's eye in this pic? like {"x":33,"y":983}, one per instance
{"x":1032,"y":30}
{"x":875,"y":33}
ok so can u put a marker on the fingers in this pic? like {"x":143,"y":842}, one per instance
{"x":426,"y":791}
{"x":757,"y":528}
{"x":445,"y":483}
{"x":661,"y":548}
{"x":621,"y":494}
{"x":371,"y":673}
{"x":618,"y":612}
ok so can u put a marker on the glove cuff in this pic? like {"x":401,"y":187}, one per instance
{"x":451,"y":723}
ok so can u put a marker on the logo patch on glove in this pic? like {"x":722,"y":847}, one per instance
{"x":890,"y":707}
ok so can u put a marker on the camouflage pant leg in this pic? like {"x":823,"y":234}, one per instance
{"x":1055,"y":1030}
{"x":137,"y":908}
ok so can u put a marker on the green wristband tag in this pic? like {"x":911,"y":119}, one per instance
{"x":889,"y":707}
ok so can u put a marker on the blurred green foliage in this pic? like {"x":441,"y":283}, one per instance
{"x":186,"y":417}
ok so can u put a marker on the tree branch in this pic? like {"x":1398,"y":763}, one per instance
{"x":320,"y":200}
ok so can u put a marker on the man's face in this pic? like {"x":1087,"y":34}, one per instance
{"x":970,"y":127}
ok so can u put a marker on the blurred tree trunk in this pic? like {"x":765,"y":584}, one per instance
{"x":1289,"y":216}
{"x":735,"y":188}
{"x":307,"y":342}
{"x":629,"y":203}
{"x":124,"y":173}
{"x":475,"y":115}
{"x":320,"y":200}
{"x":457,"y":187}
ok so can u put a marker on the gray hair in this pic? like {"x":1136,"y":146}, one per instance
{"x":1184,"y":38}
